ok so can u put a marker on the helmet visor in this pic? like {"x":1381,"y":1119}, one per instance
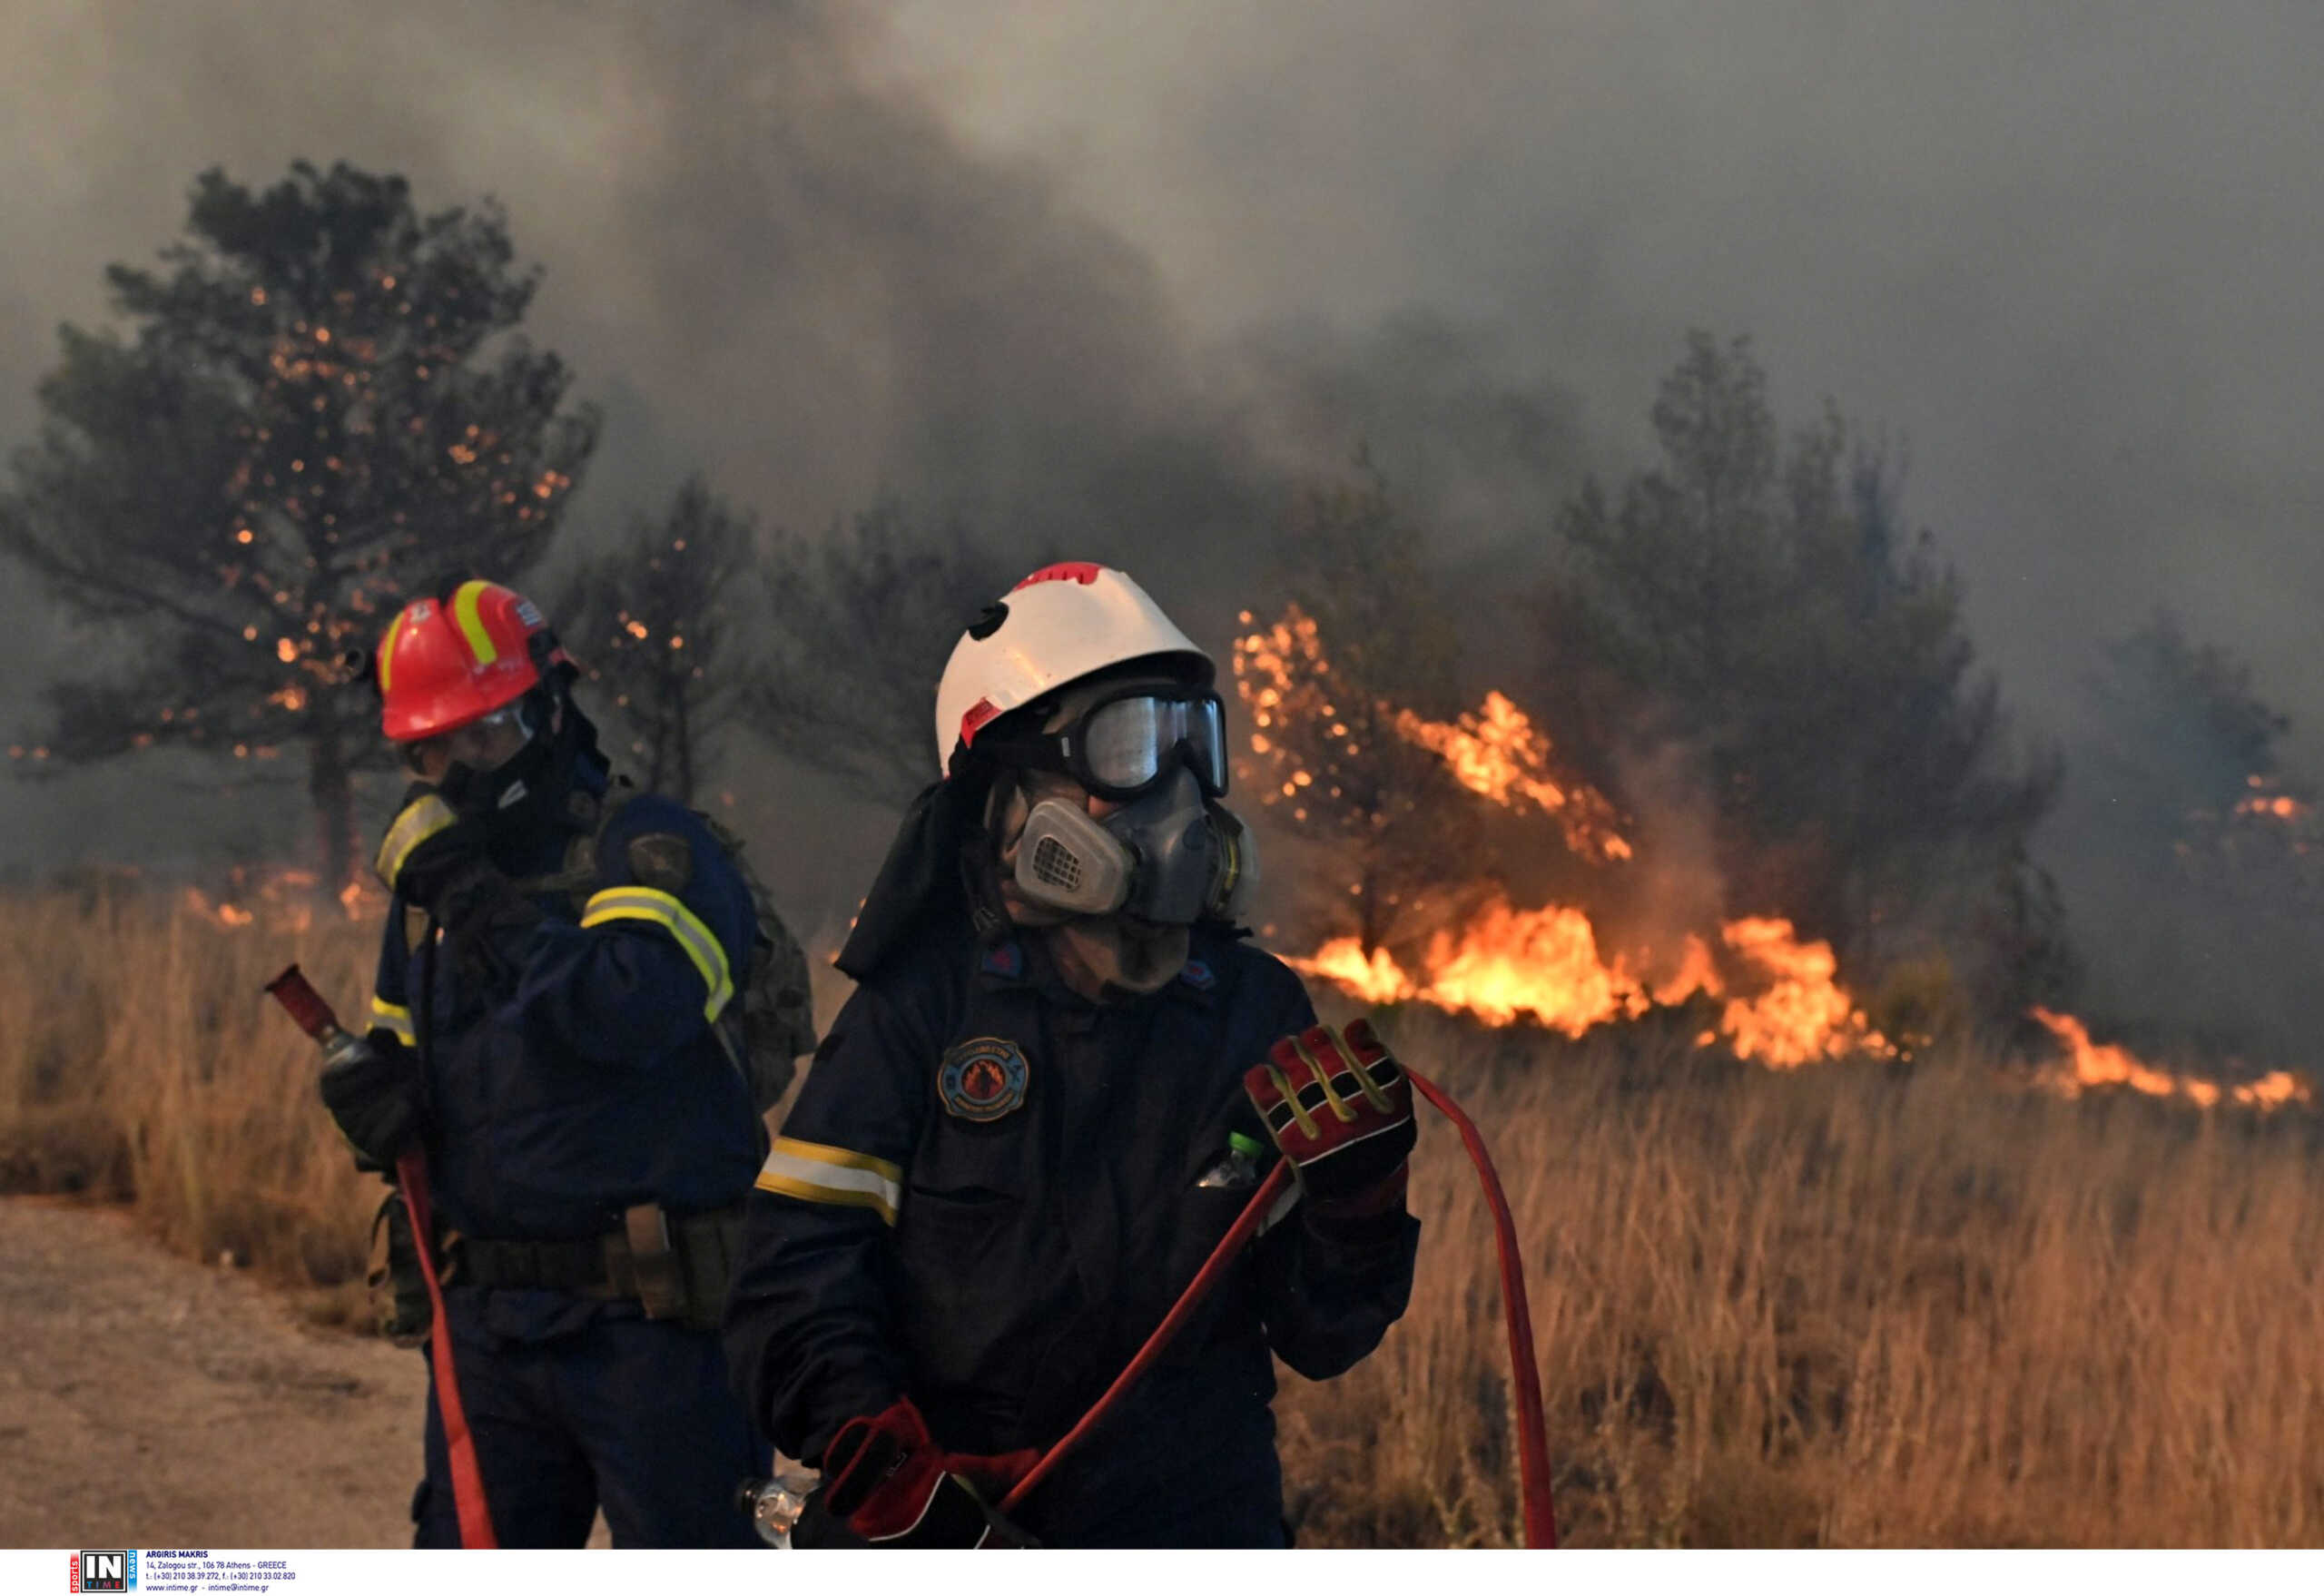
{"x":483,"y":743}
{"x":1126,"y":744}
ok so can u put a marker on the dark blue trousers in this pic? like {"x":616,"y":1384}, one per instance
{"x":619,"y":1413}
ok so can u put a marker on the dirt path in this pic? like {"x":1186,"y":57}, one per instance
{"x":146,"y":1400}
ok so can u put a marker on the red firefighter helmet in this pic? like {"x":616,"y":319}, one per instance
{"x":448,"y":661}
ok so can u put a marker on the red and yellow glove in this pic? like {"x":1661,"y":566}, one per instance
{"x":1339,"y":1107}
{"x":885,"y":1478}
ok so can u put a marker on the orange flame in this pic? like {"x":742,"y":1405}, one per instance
{"x":2100,"y":1064}
{"x":1499,"y":754}
{"x":1544,"y":965}
{"x":363,"y":898}
{"x":2275,"y":806}
{"x":227,"y":915}
{"x":1784,"y":1005}
{"x":283,"y":900}
{"x":1376,"y":979}
{"x":1283,"y":672}
{"x":1539,"y":962}
{"x":1803,"y":1014}
{"x":1698,"y":971}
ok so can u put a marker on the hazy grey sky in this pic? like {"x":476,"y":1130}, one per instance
{"x":1015,"y":253}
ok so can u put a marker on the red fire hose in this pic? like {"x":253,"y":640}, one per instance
{"x":1532,"y":1433}
{"x":314,"y":1016}
{"x":460,"y":1444}
{"x":1222,"y":1257}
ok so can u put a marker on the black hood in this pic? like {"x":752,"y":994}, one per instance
{"x":921,"y":882}
{"x":551,"y":769}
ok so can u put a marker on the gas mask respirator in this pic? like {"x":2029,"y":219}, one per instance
{"x":1169,"y":857}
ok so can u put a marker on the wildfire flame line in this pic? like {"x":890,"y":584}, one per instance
{"x":2089,"y":1064}
{"x":1505,"y":963}
{"x":282,"y":900}
{"x":1543,"y":964}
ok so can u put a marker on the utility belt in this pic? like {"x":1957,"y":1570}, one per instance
{"x":678,"y":1266}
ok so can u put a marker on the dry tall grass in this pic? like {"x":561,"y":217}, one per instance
{"x":1844,"y":1307}
{"x":1841,"y":1307}
{"x":139,"y":1059}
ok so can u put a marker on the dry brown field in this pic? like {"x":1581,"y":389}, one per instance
{"x":1858,"y":1303}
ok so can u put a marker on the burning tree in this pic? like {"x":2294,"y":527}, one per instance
{"x":1328,"y":757}
{"x":304,"y":423}
{"x":1759,"y":601}
{"x":859,"y":627}
{"x":653,"y":623}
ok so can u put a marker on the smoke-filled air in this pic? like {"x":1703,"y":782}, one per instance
{"x":1760,"y":563}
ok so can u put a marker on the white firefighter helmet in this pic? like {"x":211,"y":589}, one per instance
{"x":1062,"y":623}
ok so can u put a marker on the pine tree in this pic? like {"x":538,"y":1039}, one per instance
{"x":858,"y":625}
{"x":1756,"y":601}
{"x":313,"y":411}
{"x":1363,"y":641}
{"x":654,"y":625}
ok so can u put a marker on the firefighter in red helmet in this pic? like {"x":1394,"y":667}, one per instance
{"x":555,"y":1013}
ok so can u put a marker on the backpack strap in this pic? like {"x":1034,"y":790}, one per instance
{"x":577,"y":879}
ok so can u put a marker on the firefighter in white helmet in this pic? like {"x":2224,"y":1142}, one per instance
{"x":1031,"y":1125}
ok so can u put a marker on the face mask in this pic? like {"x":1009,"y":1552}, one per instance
{"x":529,"y":785}
{"x":1170,"y":858}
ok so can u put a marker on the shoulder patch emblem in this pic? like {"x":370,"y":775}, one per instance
{"x":1199,"y":974}
{"x":982,"y":1080}
{"x":1004,"y":961}
{"x":662,"y":861}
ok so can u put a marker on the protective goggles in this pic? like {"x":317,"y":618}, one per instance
{"x":1122,"y":747}
{"x":467,"y":742}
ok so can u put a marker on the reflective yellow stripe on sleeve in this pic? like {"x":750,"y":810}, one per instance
{"x":394,"y":1017}
{"x":413,"y":827}
{"x":693,"y":937}
{"x":814,"y":1173}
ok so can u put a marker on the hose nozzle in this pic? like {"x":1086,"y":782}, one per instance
{"x":304,"y":1004}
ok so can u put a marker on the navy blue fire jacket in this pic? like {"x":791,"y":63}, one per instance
{"x":990,"y":1193}
{"x":582,"y":1077}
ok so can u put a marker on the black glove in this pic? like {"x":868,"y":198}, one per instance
{"x":376,"y":1095}
{"x":432,"y":844}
